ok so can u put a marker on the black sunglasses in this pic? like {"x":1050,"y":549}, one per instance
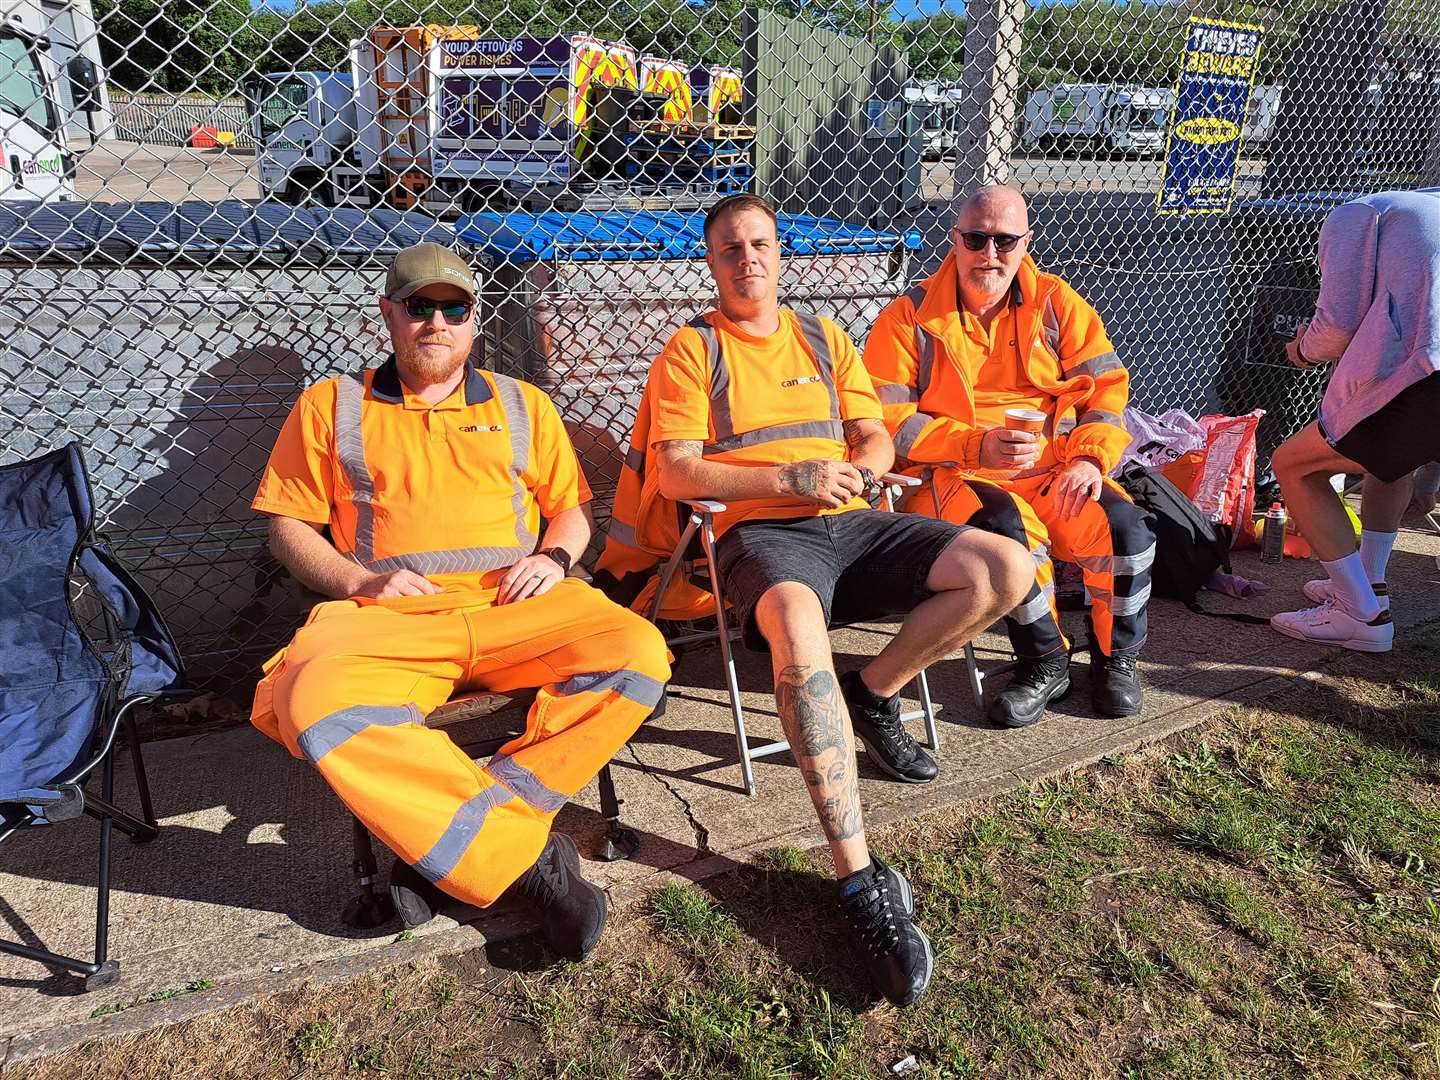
{"x":976,"y":241}
{"x":423,"y":310}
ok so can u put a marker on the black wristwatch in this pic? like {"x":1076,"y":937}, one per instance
{"x":560,"y":555}
{"x":872,"y":491}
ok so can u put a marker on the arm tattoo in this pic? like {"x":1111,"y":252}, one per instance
{"x":814,"y":720}
{"x":682,"y":447}
{"x":803,"y":478}
{"x":856,"y":432}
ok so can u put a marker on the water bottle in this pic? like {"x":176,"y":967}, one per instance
{"x":1272,"y":543}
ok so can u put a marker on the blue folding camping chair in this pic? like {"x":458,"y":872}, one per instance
{"x":82,"y":646}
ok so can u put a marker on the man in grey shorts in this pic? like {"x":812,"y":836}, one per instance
{"x":772,"y":412}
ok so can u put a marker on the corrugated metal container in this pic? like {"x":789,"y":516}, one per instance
{"x":172,"y":341}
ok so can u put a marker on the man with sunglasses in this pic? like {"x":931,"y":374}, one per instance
{"x":454,"y":505}
{"x":987,"y":339}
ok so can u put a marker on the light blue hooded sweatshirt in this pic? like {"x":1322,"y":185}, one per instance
{"x":1379,"y":307}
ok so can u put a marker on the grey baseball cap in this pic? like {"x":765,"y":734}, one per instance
{"x":427,"y":264}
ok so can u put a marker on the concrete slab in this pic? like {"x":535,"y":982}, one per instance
{"x":245,"y":885}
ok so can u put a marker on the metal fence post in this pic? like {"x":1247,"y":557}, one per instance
{"x":990,"y":81}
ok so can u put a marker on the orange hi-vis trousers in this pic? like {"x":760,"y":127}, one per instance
{"x":1109,"y":539}
{"x":351,"y":690}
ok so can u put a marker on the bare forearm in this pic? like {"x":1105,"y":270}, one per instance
{"x":570,"y":530}
{"x":875,"y":451}
{"x":312,"y":560}
{"x":687,"y":475}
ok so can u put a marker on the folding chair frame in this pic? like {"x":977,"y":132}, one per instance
{"x":102,"y":971}
{"x":371,"y":907}
{"x":702,"y":519}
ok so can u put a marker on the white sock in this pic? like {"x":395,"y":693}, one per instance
{"x":1352,"y":586}
{"x":1375,"y":550}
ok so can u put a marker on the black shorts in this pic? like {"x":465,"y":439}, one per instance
{"x":862,"y":564}
{"x":1404,"y":435}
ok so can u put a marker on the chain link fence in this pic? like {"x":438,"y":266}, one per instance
{"x":167,"y":292}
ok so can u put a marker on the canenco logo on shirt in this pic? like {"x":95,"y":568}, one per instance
{"x":483,"y":427}
{"x":799,"y":382}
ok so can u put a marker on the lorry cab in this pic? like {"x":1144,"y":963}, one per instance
{"x":1097,"y":118}
{"x":34,"y":161}
{"x":304,"y":123}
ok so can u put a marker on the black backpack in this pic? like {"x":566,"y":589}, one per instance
{"x":1189,"y":547}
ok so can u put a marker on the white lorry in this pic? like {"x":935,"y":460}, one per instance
{"x":444,"y":120}
{"x":939,"y":107}
{"x":35,"y":164}
{"x":1097,"y":118}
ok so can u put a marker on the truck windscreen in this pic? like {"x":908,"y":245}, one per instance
{"x":279,"y":104}
{"x":22,"y":86}
{"x":1147,"y":118}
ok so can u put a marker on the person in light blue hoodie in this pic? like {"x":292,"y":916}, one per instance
{"x":1378,"y":321}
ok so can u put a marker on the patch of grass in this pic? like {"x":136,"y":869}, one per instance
{"x":193,"y":987}
{"x":685,"y":914}
{"x":313,"y":1041}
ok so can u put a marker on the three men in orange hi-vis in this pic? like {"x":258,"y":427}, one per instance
{"x":434,"y":479}
{"x":988,"y":334}
{"x":771,"y":412}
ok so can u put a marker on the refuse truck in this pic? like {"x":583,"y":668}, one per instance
{"x":1097,"y":118}
{"x":37,"y":166}
{"x":444,"y":120}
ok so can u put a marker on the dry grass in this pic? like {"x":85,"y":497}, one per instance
{"x":1257,"y":898}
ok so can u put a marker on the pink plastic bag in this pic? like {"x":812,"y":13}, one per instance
{"x":1224,"y":486}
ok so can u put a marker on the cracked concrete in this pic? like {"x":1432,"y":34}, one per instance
{"x":246,"y":883}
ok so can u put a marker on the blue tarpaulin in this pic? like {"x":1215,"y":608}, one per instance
{"x":620,"y":235}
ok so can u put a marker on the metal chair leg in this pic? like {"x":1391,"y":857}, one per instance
{"x":370,"y":908}
{"x":927,"y":708}
{"x":620,"y":842}
{"x":727,"y":655}
{"x":976,"y":676}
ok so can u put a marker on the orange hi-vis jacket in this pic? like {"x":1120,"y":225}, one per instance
{"x":1064,"y":358}
{"x":746,"y":425}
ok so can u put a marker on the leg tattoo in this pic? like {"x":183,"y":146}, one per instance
{"x":813,"y":716}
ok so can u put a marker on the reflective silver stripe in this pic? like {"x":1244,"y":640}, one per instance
{"x":524,"y":783}
{"x":1096,"y":365}
{"x":350,"y":449}
{"x":1066,"y":424}
{"x":1034,"y":609}
{"x":436,"y":864}
{"x":720,"y":415}
{"x":330,"y":731}
{"x":895,"y":394}
{"x":635,"y":460}
{"x":1041,"y":555}
{"x":910,"y":431}
{"x":814,"y":331}
{"x":1050,"y":326}
{"x":807,"y":429}
{"x":1100,"y":416}
{"x":1122,"y":605}
{"x":924,"y":359}
{"x":1118,"y":565}
{"x":632,"y":685}
{"x":622,"y":532}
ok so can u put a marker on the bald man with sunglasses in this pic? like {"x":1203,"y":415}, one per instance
{"x":437,"y":507}
{"x":990,"y":344}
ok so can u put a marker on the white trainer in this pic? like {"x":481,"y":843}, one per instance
{"x":1322,"y":591}
{"x":1330,"y":624}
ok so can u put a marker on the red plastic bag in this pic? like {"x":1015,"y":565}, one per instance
{"x":1224,"y":485}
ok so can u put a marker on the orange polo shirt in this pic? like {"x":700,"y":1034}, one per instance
{"x":771,"y":381}
{"x":438,"y":479}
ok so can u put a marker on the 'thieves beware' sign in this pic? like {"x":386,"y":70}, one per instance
{"x":1212,"y":96}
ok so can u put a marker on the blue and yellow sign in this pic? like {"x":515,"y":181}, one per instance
{"x":1212,"y":96}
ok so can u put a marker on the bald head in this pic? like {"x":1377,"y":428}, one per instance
{"x":996,"y":202}
{"x":991,"y":236}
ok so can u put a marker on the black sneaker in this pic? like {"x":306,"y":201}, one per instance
{"x":572,"y":910}
{"x":1115,"y":684}
{"x":885,"y":738}
{"x":416,"y":898}
{"x":1034,"y":685}
{"x":897,"y":952}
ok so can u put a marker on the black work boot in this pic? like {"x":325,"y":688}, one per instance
{"x":877,"y":725}
{"x":897,"y":952}
{"x":572,"y":910}
{"x":1114,"y":684}
{"x":1034,"y":685}
{"x":416,"y":898}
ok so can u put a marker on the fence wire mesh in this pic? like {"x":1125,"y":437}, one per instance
{"x":201,"y":230}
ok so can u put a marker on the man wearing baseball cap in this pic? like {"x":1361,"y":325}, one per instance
{"x":454,"y":505}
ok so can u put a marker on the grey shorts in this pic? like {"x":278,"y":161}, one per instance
{"x":862,"y":564}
